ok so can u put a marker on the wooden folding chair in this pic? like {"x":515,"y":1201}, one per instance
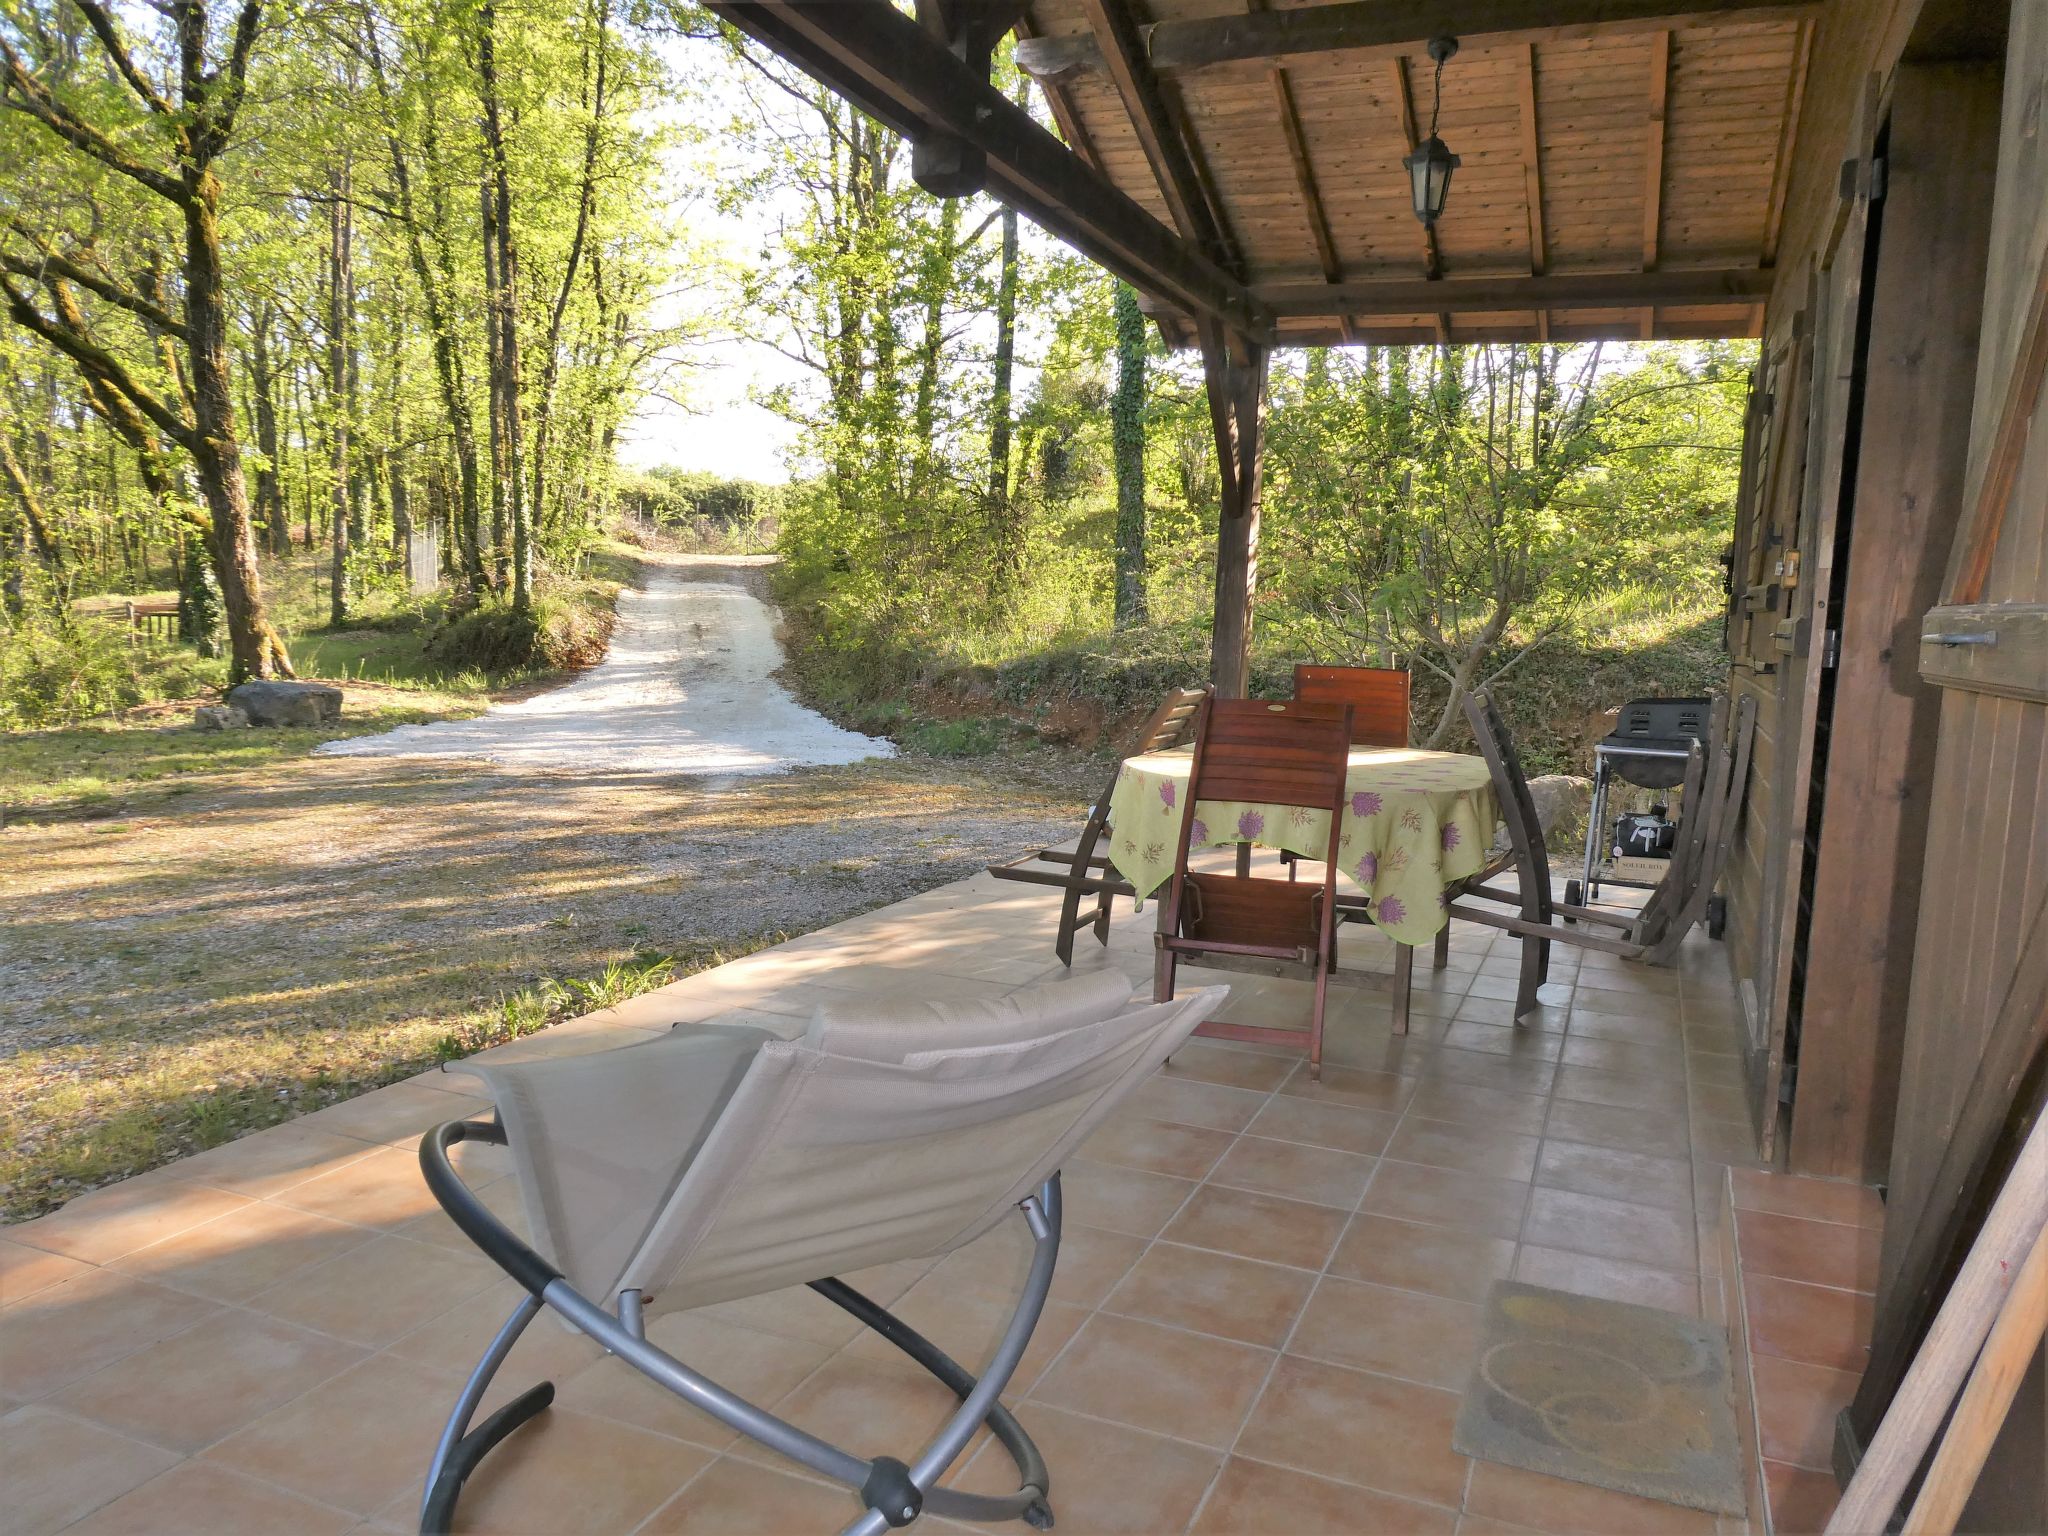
{"x":1084,"y":872}
{"x":1265,"y":753}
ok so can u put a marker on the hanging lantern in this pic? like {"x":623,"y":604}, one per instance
{"x":1429,"y":167}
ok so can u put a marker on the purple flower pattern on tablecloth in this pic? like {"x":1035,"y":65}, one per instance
{"x":1365,"y":803}
{"x":1201,"y":831}
{"x":1166,"y":793}
{"x":1249,"y":825}
{"x":1368,"y":870}
{"x":1391,"y":911}
{"x":1452,"y":836}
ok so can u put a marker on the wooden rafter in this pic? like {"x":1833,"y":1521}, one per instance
{"x":1559,"y":290}
{"x":1532,"y":174}
{"x":1375,"y":25}
{"x":886,"y":64}
{"x":1155,"y":123}
{"x":1072,"y":129}
{"x":1653,"y":147}
{"x":1788,"y":131}
{"x":1432,"y":262}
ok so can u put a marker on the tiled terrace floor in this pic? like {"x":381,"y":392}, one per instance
{"x":1265,"y":1309}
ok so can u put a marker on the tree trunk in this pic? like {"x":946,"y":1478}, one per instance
{"x":586,"y":197}
{"x":340,"y":396}
{"x":1127,"y":442}
{"x":269,"y":484}
{"x":501,"y":281}
{"x":254,"y":647}
{"x":1006,"y":533}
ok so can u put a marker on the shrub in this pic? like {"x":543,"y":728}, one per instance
{"x":553,"y":634}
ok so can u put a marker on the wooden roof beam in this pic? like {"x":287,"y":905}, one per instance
{"x":1532,"y":175}
{"x":888,"y":66}
{"x":1115,"y":31}
{"x":1356,"y":25}
{"x":1432,"y":260}
{"x":1653,"y":152}
{"x":1305,"y":181}
{"x":1072,"y":129}
{"x":1553,"y":291}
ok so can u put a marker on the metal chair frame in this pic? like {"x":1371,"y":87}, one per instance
{"x":891,"y":1492}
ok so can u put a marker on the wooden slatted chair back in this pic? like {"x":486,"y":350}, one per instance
{"x":1517,"y":805}
{"x":1272,"y":752}
{"x":1378,"y":697}
{"x":1173,"y":722}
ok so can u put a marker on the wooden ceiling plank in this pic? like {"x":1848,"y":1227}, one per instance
{"x":1072,"y":129}
{"x":1432,"y":260}
{"x":1653,"y":157}
{"x":1631,"y":291}
{"x":1354,"y":25}
{"x":1532,"y":160}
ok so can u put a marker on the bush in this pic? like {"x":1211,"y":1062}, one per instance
{"x":55,"y":674}
{"x":553,"y":635}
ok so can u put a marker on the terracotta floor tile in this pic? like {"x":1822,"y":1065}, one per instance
{"x":1658,"y":1132}
{"x":58,"y":1469}
{"x":1615,"y":1229}
{"x":1359,"y":1428}
{"x":1208,"y":1063}
{"x":1817,"y":1252}
{"x":71,"y":1329}
{"x":25,"y":1270}
{"x":377,"y":1293}
{"x":1294,"y":1171}
{"x":195,"y":1497}
{"x":764,"y":1368}
{"x":1185,"y":1102}
{"x":1122,"y":1199}
{"x":1855,"y":1205}
{"x":574,"y":1475}
{"x":1497,"y":1011}
{"x":382,"y":1190}
{"x":1713,"y":1101}
{"x":1813,"y":1323}
{"x":1156,"y":1146}
{"x":1575,"y":1509}
{"x":1108,"y":1479}
{"x":1467,"y":1202}
{"x":1594,"y":1024}
{"x":398,"y":1113}
{"x":1252,"y":1498}
{"x":1385,"y":1091}
{"x":1258,"y":1226}
{"x":968,"y":1325}
{"x":1474,"y":1104}
{"x":1585,"y":1274}
{"x":739,"y":1498}
{"x":1160,"y":1379}
{"x":356,"y":1443}
{"x":1502,"y":1074}
{"x":1801,"y":1499}
{"x":107,"y":1223}
{"x":1729,"y":1142}
{"x":454,"y":1341}
{"x":1398,"y":1333}
{"x":1288,"y":1117}
{"x":1621,"y":1090}
{"x":1503,"y":1040}
{"x":1434,"y":1260}
{"x":270,"y":1162}
{"x":1091,"y":1263}
{"x":234,"y":1256}
{"x":188,"y":1391}
{"x":1665,"y":1059}
{"x":1617,"y":1173}
{"x":1796,"y":1407}
{"x":1467,"y":1148}
{"x":1213,"y":1293}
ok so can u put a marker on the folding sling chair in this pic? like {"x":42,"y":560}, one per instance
{"x":720,"y":1162}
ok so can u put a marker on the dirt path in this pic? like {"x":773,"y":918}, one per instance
{"x":688,"y":686}
{"x":230,"y":951}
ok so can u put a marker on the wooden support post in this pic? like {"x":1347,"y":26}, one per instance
{"x":1235,"y":372}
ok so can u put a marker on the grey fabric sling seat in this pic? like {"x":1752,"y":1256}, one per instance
{"x":717,"y":1163}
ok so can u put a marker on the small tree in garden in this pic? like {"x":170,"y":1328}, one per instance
{"x":1463,"y":505}
{"x":1127,"y":436}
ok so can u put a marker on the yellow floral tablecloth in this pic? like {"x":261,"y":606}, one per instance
{"x":1415,"y":822}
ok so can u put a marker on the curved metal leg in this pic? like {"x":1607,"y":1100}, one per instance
{"x":459,"y":1449}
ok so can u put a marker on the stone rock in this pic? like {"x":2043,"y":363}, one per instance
{"x":1561,"y":803}
{"x":219,"y":717}
{"x":283,"y":703}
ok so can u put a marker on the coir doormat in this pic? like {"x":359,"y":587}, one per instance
{"x":1602,"y":1392}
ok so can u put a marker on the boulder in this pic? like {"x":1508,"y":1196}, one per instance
{"x":282,"y":703}
{"x":1561,"y":803}
{"x":219,"y":717}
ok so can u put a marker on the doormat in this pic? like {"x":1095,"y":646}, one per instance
{"x":1607,"y":1393}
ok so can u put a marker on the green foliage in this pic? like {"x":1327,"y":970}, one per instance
{"x":202,"y":622}
{"x":495,"y":638}
{"x":549,"y":1001}
{"x":56,"y":673}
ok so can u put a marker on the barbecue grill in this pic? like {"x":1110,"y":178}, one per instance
{"x":1648,"y":748}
